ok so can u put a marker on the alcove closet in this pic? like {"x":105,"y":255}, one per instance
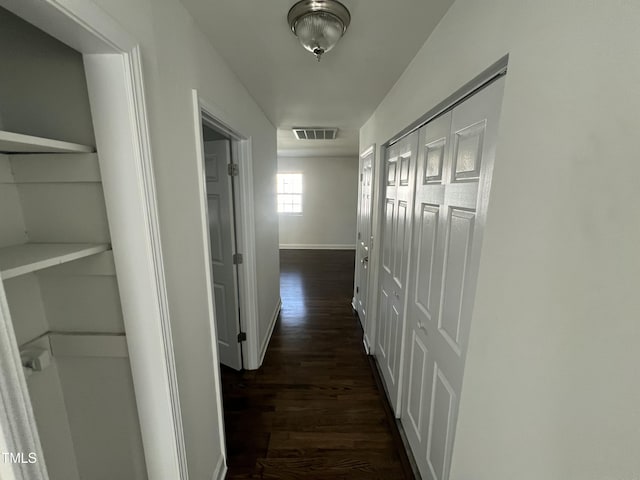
{"x":56,"y":263}
{"x":435,"y":197}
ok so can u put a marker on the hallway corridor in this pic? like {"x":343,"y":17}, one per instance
{"x":313,"y":410}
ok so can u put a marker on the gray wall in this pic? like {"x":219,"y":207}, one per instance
{"x":177,"y":58}
{"x":43,"y":90}
{"x":330,"y":191}
{"x":552,"y":387}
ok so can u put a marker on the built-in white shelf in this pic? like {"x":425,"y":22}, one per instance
{"x":17,"y":143}
{"x":29,"y":257}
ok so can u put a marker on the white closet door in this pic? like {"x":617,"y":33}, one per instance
{"x":221,"y":236}
{"x":364,"y":237}
{"x":455,"y":164}
{"x":396,"y":219}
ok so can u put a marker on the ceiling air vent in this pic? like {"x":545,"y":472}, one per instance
{"x":315,"y":133}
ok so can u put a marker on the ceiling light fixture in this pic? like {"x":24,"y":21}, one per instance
{"x":319,"y":24}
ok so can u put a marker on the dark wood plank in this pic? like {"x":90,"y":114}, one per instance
{"x":315,"y":410}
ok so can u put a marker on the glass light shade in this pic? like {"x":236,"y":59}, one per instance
{"x":319,"y":32}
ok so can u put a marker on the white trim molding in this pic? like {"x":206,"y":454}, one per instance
{"x":272,"y":325}
{"x":129,"y":188}
{"x":317,"y":246}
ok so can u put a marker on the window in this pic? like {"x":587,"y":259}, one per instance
{"x":289,"y":193}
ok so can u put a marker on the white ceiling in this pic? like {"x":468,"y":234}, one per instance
{"x":292,"y":88}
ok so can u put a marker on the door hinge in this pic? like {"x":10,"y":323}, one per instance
{"x":361,"y":177}
{"x":237,"y":258}
{"x":359,"y":235}
{"x":233,"y":169}
{"x":242,"y":337}
{"x":357,"y":289}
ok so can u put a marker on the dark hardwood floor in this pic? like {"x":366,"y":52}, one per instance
{"x":314,"y":409}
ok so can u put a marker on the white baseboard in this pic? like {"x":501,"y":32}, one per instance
{"x":365,"y":342}
{"x":267,"y":338}
{"x":314,"y":246}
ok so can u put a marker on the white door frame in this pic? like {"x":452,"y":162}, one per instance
{"x":206,"y":112}
{"x":116,"y":91}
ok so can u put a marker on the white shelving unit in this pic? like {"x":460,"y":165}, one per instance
{"x":52,"y":213}
{"x":59,"y":283}
{"x":18,"y":143}
{"x":30,"y":257}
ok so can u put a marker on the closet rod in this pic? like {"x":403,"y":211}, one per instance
{"x":491,"y":74}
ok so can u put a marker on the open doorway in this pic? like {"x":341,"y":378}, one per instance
{"x":227,"y":209}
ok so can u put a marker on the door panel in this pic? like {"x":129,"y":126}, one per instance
{"x":468,"y":151}
{"x":221,"y":306}
{"x":416,"y":385}
{"x":392,"y":342}
{"x":456,"y":260}
{"x":400,"y":243}
{"x":363,"y":246}
{"x":215,"y":230}
{"x":453,"y":172}
{"x":396,"y":234}
{"x":387,"y":235}
{"x":221,"y":237}
{"x":443,"y":402}
{"x":381,"y":334}
{"x":427,"y":233}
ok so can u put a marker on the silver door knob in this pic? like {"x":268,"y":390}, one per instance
{"x":365,"y":259}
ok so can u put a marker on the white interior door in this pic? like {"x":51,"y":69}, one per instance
{"x":221,"y":235}
{"x":455,"y":164}
{"x":399,"y":166}
{"x":364,"y":239}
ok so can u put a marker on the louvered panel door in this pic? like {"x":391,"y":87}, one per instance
{"x":454,"y":168}
{"x":399,"y":175}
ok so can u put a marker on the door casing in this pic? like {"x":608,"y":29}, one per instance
{"x":207,"y":113}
